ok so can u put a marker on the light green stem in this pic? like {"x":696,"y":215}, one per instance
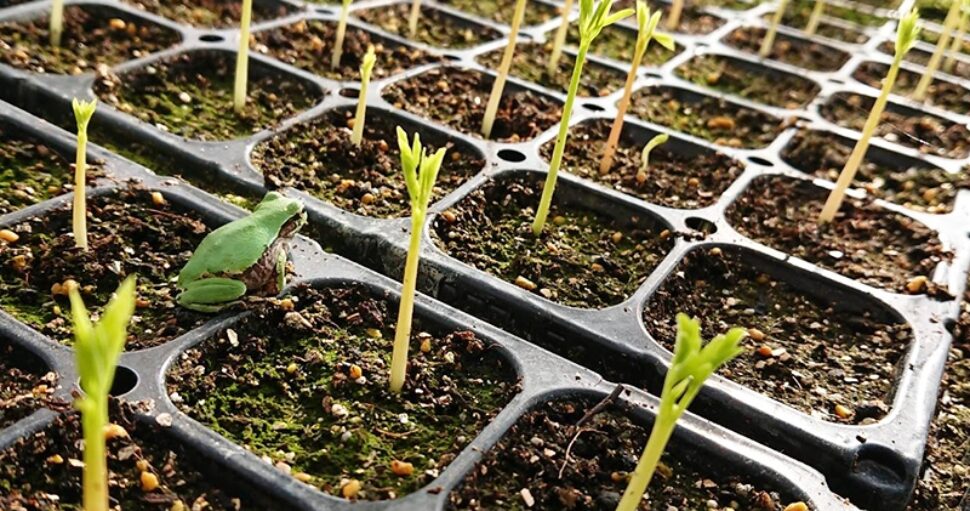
{"x":816,"y":15}
{"x":95,"y":475}
{"x":413,"y":18}
{"x":80,"y":206}
{"x":640,"y":479}
{"x":498,"y":87}
{"x":57,"y":22}
{"x":402,"y":334}
{"x":242,"y":58}
{"x":358,"y":134}
{"x":560,"y":39}
{"x":957,"y":45}
{"x":769,"y":40}
{"x":673,"y":19}
{"x":338,"y":44}
{"x":949,"y":24}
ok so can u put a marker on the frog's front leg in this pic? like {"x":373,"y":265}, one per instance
{"x":211,"y":294}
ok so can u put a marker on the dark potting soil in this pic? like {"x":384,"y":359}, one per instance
{"x":693,"y":20}
{"x":884,"y":4}
{"x":673,"y":179}
{"x":43,"y":471}
{"x":618,"y":43}
{"x":303,"y":384}
{"x":943,"y":94}
{"x":752,"y":82}
{"x":309,"y":45}
{"x":435,"y":27}
{"x":367,"y":180}
{"x":457,"y":97}
{"x":791,"y":50}
{"x":501,"y":11}
{"x":924,"y":132}
{"x":583,"y":258}
{"x":9,"y":3}
{"x":191,"y":95}
{"x":934,"y":10}
{"x":825,"y":29}
{"x":93,"y":35}
{"x":798,"y":12}
{"x":864,"y":242}
{"x":922,"y":188}
{"x":530,"y":63}
{"x":918,"y":56}
{"x":25,"y":383}
{"x":211,"y":13}
{"x":129,"y":234}
{"x":712,"y":119}
{"x":526,"y":463}
{"x":809,"y":352}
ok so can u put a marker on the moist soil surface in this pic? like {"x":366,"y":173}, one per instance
{"x":693,"y":20}
{"x":808,"y":352}
{"x":798,"y":12}
{"x":673,"y":179}
{"x":211,"y":13}
{"x":501,"y":11}
{"x":529,"y":458}
{"x":756,"y":83}
{"x":530,"y":63}
{"x":309,"y":45}
{"x":457,"y":97}
{"x":921,"y":57}
{"x":825,"y":29}
{"x":922,"y":188}
{"x":191,"y":95}
{"x":25,"y":383}
{"x":303,"y":384}
{"x":931,"y":36}
{"x":943,"y":94}
{"x":583,"y":258}
{"x":927,"y":133}
{"x":92,"y":36}
{"x":435,"y":27}
{"x":791,"y":50}
{"x":864,"y":242}
{"x":43,"y":471}
{"x":367,"y":179}
{"x":618,"y":43}
{"x":712,"y":119}
{"x":128,"y":234}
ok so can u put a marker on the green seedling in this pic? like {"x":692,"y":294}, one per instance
{"x":83,"y":111}
{"x":769,"y":39}
{"x":338,"y":44}
{"x":56,"y":22}
{"x":413,"y":18}
{"x":647,"y":24}
{"x":951,"y":60}
{"x":815,"y":17}
{"x":242,"y":58}
{"x":498,"y":87}
{"x":691,"y":366}
{"x":949,"y":24}
{"x":420,"y":173}
{"x":645,"y":155}
{"x":97,"y":348}
{"x":560,"y":39}
{"x":592,"y":21}
{"x":906,"y":37}
{"x":673,"y":19}
{"x":365,"y":71}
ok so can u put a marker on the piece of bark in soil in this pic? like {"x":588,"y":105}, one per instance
{"x":529,"y":63}
{"x":435,"y":27}
{"x":791,"y":50}
{"x":750,"y":81}
{"x":211,"y":13}
{"x":25,"y":383}
{"x":943,"y":94}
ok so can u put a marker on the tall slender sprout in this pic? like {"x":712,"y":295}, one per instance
{"x":365,"y":71}
{"x":97,"y":349}
{"x":691,"y":366}
{"x":647,"y":24}
{"x":814,"y":18}
{"x":420,"y":188}
{"x":769,"y":39}
{"x":673,"y":19}
{"x":57,"y":22}
{"x":645,"y":155}
{"x":242,"y":58}
{"x":83,"y":111}
{"x":560,"y":39}
{"x":338,"y":44}
{"x":906,"y":37}
{"x":498,"y":87}
{"x":952,"y":18}
{"x":413,"y":18}
{"x":958,"y":38}
{"x":592,"y":21}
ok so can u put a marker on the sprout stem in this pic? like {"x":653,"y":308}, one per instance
{"x":560,"y":39}
{"x":413,"y":18}
{"x":645,"y":155}
{"x":957,"y":41}
{"x":814,"y":18}
{"x":57,"y":22}
{"x":673,"y":18}
{"x":769,"y":41}
{"x":83,"y":111}
{"x":242,"y":58}
{"x":365,"y":71}
{"x":952,"y":18}
{"x":491,"y":109}
{"x":338,"y":44}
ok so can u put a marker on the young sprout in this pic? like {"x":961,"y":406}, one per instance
{"x":952,"y":18}
{"x":414,"y":159}
{"x":491,"y":108}
{"x":57,"y":22}
{"x":83,"y":111}
{"x":592,"y":21}
{"x":647,"y":25}
{"x":645,"y":155}
{"x":769,"y":39}
{"x":413,"y":18}
{"x":958,"y":38}
{"x":338,"y":44}
{"x":242,"y":58}
{"x":673,"y":19}
{"x":560,"y":39}
{"x":365,"y":70}
{"x":691,"y":366}
{"x":97,"y":348}
{"x":814,"y":18}
{"x":906,"y":36}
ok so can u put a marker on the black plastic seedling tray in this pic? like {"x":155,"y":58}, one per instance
{"x":874,"y":465}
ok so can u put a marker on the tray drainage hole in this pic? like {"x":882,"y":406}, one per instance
{"x":951,"y":325}
{"x":654,"y":75}
{"x":212,"y":38}
{"x":757,"y":160}
{"x":511,"y":155}
{"x":125,"y":380}
{"x":701,"y":225}
{"x":324,"y":11}
{"x":837,"y":81}
{"x":880,"y":466}
{"x":350,"y":92}
{"x":593,"y":107}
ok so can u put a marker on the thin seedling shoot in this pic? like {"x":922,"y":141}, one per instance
{"x":815,"y":17}
{"x":645,"y":155}
{"x":560,"y":38}
{"x":906,"y":37}
{"x":498,"y":87}
{"x":413,"y":18}
{"x":592,"y":21}
{"x":366,"y":66}
{"x":673,"y":19}
{"x":769,"y":41}
{"x":83,"y":111}
{"x":57,"y":22}
{"x":949,"y":25}
{"x":420,"y":174}
{"x":242,"y":58}
{"x":647,"y":25}
{"x":951,"y":60}
{"x":692,"y":364}
{"x":338,"y":44}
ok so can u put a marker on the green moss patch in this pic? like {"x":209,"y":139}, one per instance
{"x":30,"y":171}
{"x":752,"y":82}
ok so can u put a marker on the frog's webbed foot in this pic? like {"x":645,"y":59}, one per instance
{"x":211,"y":294}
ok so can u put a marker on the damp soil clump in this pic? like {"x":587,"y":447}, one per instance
{"x":941,"y":93}
{"x":435,"y":27}
{"x":211,"y":13}
{"x":303,"y":383}
{"x":790,"y":50}
{"x":530,"y":63}
{"x":25,"y":383}
{"x":729,"y":75}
